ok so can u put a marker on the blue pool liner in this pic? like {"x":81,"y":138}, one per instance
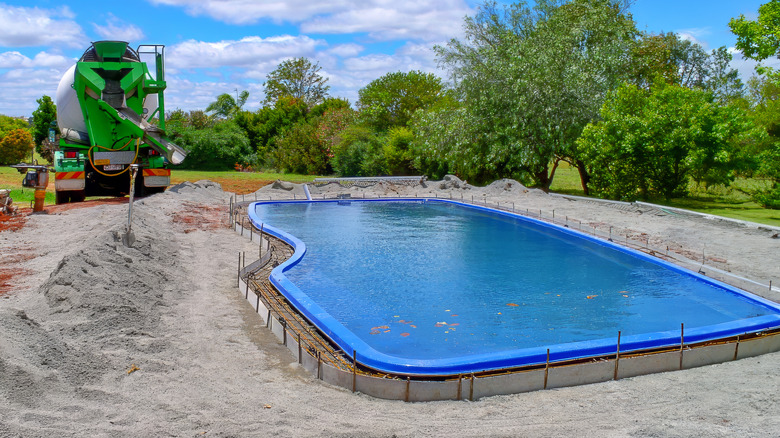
{"x":475,"y":363}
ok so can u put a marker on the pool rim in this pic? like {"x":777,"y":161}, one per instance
{"x":368,"y":356}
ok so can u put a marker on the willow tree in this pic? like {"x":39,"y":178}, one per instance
{"x":529,"y":79}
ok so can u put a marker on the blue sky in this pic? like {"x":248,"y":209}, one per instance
{"x":219,"y":46}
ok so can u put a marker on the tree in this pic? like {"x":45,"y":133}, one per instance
{"x":8,"y":124}
{"x":530,"y":78}
{"x":297,"y":78}
{"x":759,"y":39}
{"x":15,"y":146}
{"x":226,"y":106}
{"x":670,"y":59}
{"x":652,"y":142}
{"x":217,"y":147}
{"x":265,"y":126}
{"x":392,"y":99}
{"x":42,"y":121}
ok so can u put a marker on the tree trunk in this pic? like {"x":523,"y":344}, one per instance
{"x":542,"y":176}
{"x":584,"y":177}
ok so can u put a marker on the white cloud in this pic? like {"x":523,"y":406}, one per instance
{"x":248,"y":52}
{"x":345,"y":50}
{"x":383,"y":20}
{"x":21,"y":87}
{"x":696,"y":35}
{"x":119,"y":30}
{"x":30,"y":27}
{"x":251,"y":11}
{"x":747,"y":66}
{"x":424,"y":20}
{"x":15,"y":60}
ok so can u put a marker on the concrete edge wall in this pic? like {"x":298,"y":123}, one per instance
{"x":468,"y":387}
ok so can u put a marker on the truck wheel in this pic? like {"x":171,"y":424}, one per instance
{"x":61,"y":197}
{"x":77,"y":196}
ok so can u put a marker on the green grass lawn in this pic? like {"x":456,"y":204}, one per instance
{"x":732,"y":201}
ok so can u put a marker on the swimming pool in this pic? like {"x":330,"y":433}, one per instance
{"x":440,"y":288}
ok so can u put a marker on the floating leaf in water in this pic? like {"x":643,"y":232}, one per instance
{"x":413,"y":326}
{"x":499,"y":313}
{"x":453,"y":315}
{"x":441,"y":324}
{"x":381,"y":327}
{"x":374,"y":332}
{"x":625,"y":296}
{"x":387,"y":331}
{"x":404,"y":334}
{"x":511,"y":304}
{"x":453,"y":325}
{"x":590,"y":297}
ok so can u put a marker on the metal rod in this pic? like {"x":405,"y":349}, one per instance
{"x":300,"y":359}
{"x":319,"y":365}
{"x":471,"y":389}
{"x":546,"y":368}
{"x":238,"y":272}
{"x":257,"y":305}
{"x":246,"y":295}
{"x":406,"y":396}
{"x":617,"y":358}
{"x":460,"y":383}
{"x":354,"y":372}
{"x":736,"y":348}
{"x":682,"y":343}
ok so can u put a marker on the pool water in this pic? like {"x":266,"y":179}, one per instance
{"x":445,"y":287}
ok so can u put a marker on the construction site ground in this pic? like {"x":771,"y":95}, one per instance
{"x":98,"y":339}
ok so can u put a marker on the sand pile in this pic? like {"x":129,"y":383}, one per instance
{"x":155,"y":340}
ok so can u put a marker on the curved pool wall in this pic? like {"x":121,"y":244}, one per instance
{"x":366,"y":355}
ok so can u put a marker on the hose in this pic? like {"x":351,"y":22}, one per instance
{"x":89,"y":156}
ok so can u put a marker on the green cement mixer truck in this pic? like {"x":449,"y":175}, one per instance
{"x":111,"y":118}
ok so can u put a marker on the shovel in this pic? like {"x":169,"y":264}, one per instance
{"x":128,"y":238}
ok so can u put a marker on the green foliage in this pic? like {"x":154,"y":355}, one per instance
{"x":329,"y":104}
{"x":359,"y":153}
{"x":15,"y":146}
{"x":392,"y":99}
{"x":759,"y":39}
{"x":651,"y":143}
{"x":297,"y":78}
{"x":8,"y":124}
{"x":529,"y":79}
{"x":218,"y":147}
{"x":397,"y":152}
{"x":226,"y":106}
{"x":265,"y":126}
{"x":42,"y":121}
{"x":300,"y":151}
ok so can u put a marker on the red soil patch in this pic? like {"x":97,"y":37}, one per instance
{"x":10,"y":267}
{"x":14,"y":222}
{"x":200,"y":217}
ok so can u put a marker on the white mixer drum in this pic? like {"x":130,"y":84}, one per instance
{"x":69,"y":115}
